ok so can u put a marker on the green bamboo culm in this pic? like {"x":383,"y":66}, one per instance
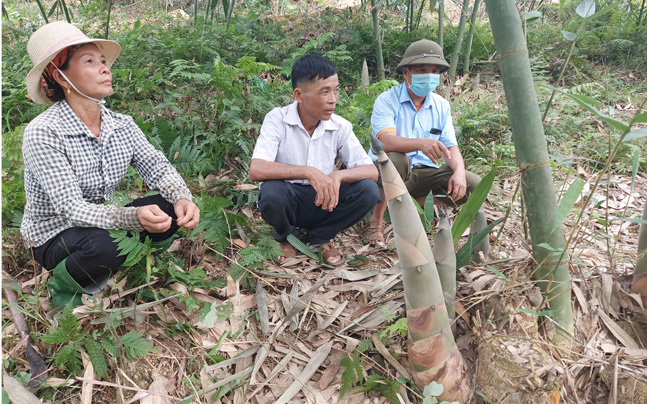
{"x":470,"y":36}
{"x":552,"y":274}
{"x":640,"y":273}
{"x":445,"y":257}
{"x":377,"y":36}
{"x":453,"y":63}
{"x":432,"y":350}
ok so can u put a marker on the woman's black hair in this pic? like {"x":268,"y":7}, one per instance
{"x":310,"y":68}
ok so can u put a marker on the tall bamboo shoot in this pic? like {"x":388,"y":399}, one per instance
{"x":433,"y":353}
{"x":640,"y":273}
{"x":445,"y":256}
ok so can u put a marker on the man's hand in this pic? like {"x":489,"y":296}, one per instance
{"x":188,"y":214}
{"x":434,"y":149}
{"x":153,"y":218}
{"x":457,"y":185}
{"x":327,"y":187}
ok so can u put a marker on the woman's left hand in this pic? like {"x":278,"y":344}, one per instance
{"x":188,"y":214}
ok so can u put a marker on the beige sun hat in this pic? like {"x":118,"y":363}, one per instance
{"x":48,"y":41}
{"x":423,"y":52}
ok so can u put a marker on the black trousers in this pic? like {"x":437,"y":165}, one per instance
{"x":287,"y":206}
{"x":92,"y":251}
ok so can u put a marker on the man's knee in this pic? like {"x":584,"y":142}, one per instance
{"x":364,"y":192}
{"x":273,"y":194}
{"x":472,"y":181}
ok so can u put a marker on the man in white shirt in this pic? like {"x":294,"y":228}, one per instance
{"x":295,"y":158}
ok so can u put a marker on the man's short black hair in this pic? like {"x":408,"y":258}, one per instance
{"x":310,"y":68}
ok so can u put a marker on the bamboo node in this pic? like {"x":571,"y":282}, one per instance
{"x":527,"y":167}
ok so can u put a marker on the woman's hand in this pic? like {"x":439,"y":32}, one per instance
{"x":188,"y":214}
{"x":153,"y":218}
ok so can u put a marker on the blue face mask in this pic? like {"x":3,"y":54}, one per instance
{"x":424,"y":83}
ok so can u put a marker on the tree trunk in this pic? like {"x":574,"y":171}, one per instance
{"x":538,"y":189}
{"x":433,"y":353}
{"x":453,"y":64}
{"x":378,"y":41}
{"x":640,"y":273}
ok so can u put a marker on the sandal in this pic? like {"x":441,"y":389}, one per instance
{"x":288,"y":251}
{"x":327,"y":253}
{"x":374,"y":235}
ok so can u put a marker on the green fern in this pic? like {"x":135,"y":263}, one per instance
{"x":69,"y":357}
{"x":135,"y":346}
{"x":95,"y":353}
{"x":365,"y":345}
{"x":129,"y":244}
{"x":68,"y":328}
{"x":399,"y":327}
{"x":353,"y":374}
{"x":387,"y":387}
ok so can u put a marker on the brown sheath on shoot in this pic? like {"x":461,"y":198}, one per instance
{"x":433,"y":353}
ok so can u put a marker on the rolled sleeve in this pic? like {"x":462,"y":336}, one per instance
{"x":351,"y":152}
{"x":383,"y":116}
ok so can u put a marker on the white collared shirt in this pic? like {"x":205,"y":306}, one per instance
{"x":284,"y":139}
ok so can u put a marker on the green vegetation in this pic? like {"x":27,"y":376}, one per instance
{"x":200,"y":86}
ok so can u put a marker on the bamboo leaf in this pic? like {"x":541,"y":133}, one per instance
{"x":634,"y":168}
{"x":577,"y":98}
{"x":629,"y":219}
{"x":567,"y":202}
{"x":429,"y":208}
{"x":532,"y":16}
{"x":640,"y":118}
{"x":570,"y":36}
{"x":586,"y":8}
{"x":463,"y":256}
{"x":473,"y":204}
{"x":317,"y":360}
{"x":635,"y":134}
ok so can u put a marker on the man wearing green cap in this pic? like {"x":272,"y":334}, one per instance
{"x":415,"y":126}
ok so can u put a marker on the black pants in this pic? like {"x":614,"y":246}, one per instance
{"x":287,"y":206}
{"x":92,"y":251}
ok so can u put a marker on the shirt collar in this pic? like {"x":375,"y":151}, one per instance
{"x":71,"y":125}
{"x":292,"y":118}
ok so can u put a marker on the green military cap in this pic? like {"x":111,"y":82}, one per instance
{"x":423,"y":52}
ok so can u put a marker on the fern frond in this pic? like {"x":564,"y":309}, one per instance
{"x":135,"y":346}
{"x":95,"y":353}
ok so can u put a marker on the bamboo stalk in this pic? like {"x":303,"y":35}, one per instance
{"x":470,"y":36}
{"x":453,"y":63}
{"x":538,"y":189}
{"x":378,"y":41}
{"x":639,"y":284}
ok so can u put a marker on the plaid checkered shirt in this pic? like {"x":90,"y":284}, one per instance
{"x":70,"y":173}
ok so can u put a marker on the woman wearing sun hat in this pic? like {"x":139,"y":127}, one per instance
{"x":75,"y":154}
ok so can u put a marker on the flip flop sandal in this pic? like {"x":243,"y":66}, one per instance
{"x":288,"y":250}
{"x":374,"y":236}
{"x":325,"y":255}
{"x":299,"y":245}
